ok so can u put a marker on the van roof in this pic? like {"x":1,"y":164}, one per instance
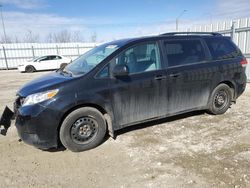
{"x":122,"y":42}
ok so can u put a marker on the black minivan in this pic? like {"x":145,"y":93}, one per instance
{"x":126,"y":82}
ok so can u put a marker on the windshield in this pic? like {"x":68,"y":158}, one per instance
{"x":33,"y":59}
{"x":90,"y":59}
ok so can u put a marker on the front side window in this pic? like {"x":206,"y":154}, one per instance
{"x":183,"y":52}
{"x":45,"y":58}
{"x":104,"y":73}
{"x":140,"y":58}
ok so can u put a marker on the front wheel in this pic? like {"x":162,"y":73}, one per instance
{"x":220,"y":99}
{"x":30,"y":69}
{"x":83,"y":129}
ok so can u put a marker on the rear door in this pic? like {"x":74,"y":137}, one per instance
{"x":54,"y":62}
{"x":189,"y":74}
{"x":59,"y":61}
{"x":137,"y":97}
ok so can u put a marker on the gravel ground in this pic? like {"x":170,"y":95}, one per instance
{"x":191,"y":150}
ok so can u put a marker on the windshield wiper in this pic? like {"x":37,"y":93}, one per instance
{"x":62,"y":71}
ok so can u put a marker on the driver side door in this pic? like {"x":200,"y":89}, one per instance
{"x":42,"y":63}
{"x":137,"y":96}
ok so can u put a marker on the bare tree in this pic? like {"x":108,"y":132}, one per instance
{"x":16,"y":39}
{"x":62,"y":36}
{"x":8,"y":39}
{"x":77,"y":37}
{"x":94,"y":37}
{"x":30,"y":37}
{"x":49,"y":38}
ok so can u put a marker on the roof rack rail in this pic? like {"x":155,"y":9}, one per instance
{"x":191,"y":33}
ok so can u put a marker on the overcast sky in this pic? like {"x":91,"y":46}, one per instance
{"x":112,"y":19}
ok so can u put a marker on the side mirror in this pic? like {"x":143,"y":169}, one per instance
{"x":120,"y":70}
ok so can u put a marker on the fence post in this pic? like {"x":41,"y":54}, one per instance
{"x":5,"y":58}
{"x":33,"y":52}
{"x":233,"y":30}
{"x":78,"y":51}
{"x":57,"y":50}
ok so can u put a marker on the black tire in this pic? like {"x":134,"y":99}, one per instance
{"x":220,"y":99}
{"x":83,"y":129}
{"x":30,"y":69}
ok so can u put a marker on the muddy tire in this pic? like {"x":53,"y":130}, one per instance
{"x":30,"y":69}
{"x":83,"y":129}
{"x":220,"y":99}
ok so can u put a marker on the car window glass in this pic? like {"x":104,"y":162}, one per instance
{"x":45,"y":58}
{"x":53,"y":57}
{"x":140,"y":58}
{"x":91,"y":59}
{"x":99,"y":56}
{"x":222,"y":48}
{"x":183,"y":52}
{"x":104,"y":73}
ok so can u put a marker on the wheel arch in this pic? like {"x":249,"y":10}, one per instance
{"x":228,"y":83}
{"x":106,"y":115}
{"x":30,"y":65}
{"x":232,"y":86}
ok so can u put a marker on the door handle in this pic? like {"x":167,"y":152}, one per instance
{"x":160,"y":77}
{"x":175,"y":75}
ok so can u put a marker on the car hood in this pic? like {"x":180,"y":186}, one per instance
{"x":43,"y":83}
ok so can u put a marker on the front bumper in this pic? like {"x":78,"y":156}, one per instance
{"x":21,"y":68}
{"x":37,"y":125}
{"x":5,"y":120}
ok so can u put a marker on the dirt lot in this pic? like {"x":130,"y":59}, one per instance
{"x":192,"y":150}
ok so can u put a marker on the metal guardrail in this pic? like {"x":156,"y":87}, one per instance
{"x":247,"y":55}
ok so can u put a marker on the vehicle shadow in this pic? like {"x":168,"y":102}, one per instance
{"x":138,"y":127}
{"x":37,"y":71}
{"x":160,"y":121}
{"x":53,"y":150}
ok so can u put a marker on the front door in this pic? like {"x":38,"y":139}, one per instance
{"x":47,"y":63}
{"x":136,"y":97}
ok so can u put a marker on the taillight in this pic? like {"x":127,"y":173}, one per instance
{"x":243,"y":63}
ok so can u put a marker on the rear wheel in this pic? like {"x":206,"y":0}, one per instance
{"x":30,"y":69}
{"x":83,"y":129}
{"x":220,"y":99}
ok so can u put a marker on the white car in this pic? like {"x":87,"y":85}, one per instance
{"x":48,"y":62}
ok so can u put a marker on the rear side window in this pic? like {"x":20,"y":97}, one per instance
{"x":222,"y":48}
{"x":53,"y":57}
{"x":183,"y":52}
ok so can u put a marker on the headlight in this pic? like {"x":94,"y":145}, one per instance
{"x":39,"y":97}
